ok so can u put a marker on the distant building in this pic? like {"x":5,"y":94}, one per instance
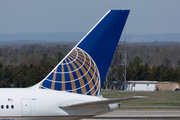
{"x":167,"y":86}
{"x":141,"y":85}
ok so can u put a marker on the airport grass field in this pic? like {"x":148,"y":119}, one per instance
{"x":157,"y":100}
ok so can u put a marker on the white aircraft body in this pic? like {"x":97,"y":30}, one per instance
{"x":71,"y":90}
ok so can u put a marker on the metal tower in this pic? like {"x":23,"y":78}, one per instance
{"x":116,"y":76}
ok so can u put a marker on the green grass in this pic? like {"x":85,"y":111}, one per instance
{"x":156,"y":100}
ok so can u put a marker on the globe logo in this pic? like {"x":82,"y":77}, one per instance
{"x":77,"y":73}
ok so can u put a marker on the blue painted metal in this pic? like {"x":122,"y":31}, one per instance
{"x":101,"y":42}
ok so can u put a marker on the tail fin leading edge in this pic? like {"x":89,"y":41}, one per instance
{"x":84,"y":69}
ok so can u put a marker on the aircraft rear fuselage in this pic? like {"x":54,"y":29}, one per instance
{"x":24,"y":102}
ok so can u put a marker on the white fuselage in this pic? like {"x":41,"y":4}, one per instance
{"x":25,"y":103}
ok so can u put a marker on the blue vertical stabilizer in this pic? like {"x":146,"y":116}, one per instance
{"x":84,"y":69}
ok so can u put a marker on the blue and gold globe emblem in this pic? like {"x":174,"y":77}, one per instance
{"x":77,"y":73}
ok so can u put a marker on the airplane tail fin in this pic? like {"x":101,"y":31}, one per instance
{"x":85,"y":67}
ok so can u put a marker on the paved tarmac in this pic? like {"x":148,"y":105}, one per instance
{"x":137,"y":115}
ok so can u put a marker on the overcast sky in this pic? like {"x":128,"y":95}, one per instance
{"x":47,"y":16}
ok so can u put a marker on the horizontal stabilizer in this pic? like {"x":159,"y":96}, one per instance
{"x":99,"y":102}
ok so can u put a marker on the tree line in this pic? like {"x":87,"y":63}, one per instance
{"x":137,"y":71}
{"x":29,"y":64}
{"x":23,"y":76}
{"x":168,"y":56}
{"x":31,"y":53}
{"x":153,"y":53}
